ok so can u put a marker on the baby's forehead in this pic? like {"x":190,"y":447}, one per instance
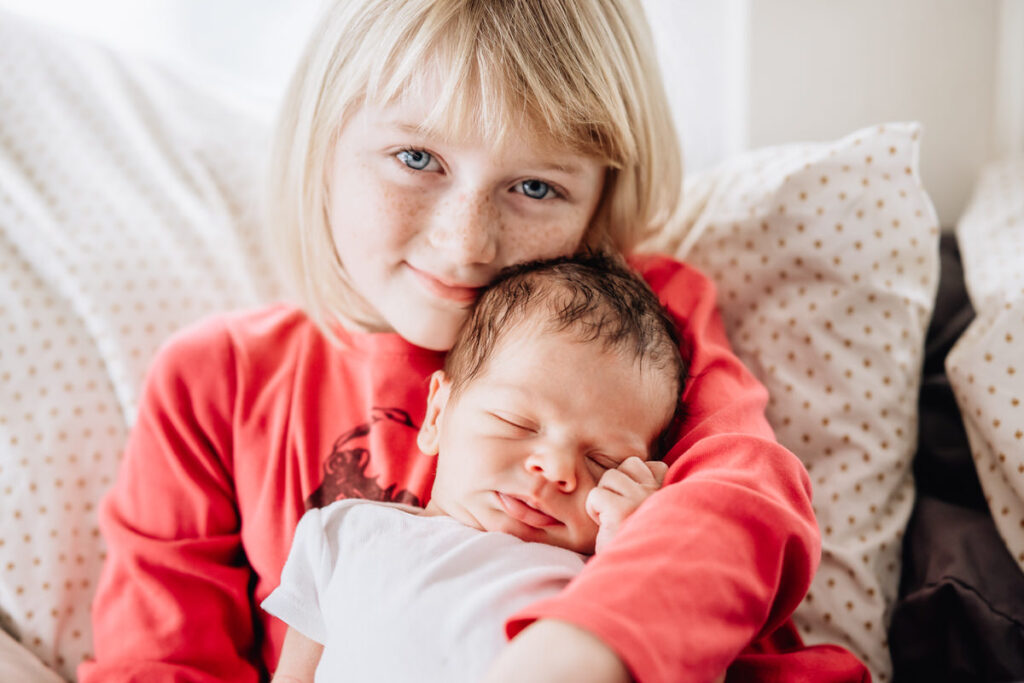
{"x":543,"y":368}
{"x":559,"y":338}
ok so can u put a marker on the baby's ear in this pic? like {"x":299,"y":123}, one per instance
{"x":429,"y":437}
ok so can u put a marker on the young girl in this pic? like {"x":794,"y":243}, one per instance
{"x":424,"y":145}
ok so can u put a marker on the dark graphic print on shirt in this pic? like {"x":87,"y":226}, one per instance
{"x":345,"y":469}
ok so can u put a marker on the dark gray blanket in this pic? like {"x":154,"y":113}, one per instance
{"x":960,"y":612}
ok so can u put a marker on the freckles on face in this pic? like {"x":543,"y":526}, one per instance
{"x":470,"y":213}
{"x":532,"y":241}
{"x":528,"y":237}
{"x":400,"y":205}
{"x":391,"y":221}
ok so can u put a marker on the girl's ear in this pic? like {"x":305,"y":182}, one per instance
{"x":429,"y":437}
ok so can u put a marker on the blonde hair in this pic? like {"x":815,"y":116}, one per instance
{"x":582,"y":72}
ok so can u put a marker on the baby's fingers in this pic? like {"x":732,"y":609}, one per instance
{"x":609,"y":508}
{"x":604,"y":505}
{"x":634,"y":477}
{"x":658,"y":469}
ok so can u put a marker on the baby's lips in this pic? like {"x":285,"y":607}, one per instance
{"x":521,"y":511}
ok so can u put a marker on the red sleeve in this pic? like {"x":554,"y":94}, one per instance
{"x":725,"y":551}
{"x":173,"y":599}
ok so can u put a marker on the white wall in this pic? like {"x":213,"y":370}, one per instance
{"x":1010,"y":80}
{"x":740,"y":73}
{"x":703,"y":48}
{"x":248,"y":46}
{"x":821,"y":68}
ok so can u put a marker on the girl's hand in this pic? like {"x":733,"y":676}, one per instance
{"x":619,"y":493}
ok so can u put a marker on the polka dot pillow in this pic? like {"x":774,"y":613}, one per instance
{"x":125,"y":213}
{"x":826,"y":260}
{"x":986,"y":366}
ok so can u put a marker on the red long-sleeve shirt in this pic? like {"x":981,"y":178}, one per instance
{"x":248,"y":419}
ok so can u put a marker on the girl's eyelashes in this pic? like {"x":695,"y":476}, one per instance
{"x":422,"y":160}
{"x":416,"y":159}
{"x":537,"y":189}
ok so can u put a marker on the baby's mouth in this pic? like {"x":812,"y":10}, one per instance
{"x":521,"y":511}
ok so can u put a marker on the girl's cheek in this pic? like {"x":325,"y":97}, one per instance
{"x":397,"y":213}
{"x":543,"y":240}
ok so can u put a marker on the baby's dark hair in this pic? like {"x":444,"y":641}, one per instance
{"x":593,"y":296}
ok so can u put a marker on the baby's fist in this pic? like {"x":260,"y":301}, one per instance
{"x":619,"y":493}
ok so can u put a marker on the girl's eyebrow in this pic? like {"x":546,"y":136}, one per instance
{"x":566,"y":168}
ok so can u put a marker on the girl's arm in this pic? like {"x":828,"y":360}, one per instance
{"x":550,"y":650}
{"x":299,"y":658}
{"x":173,"y":601}
{"x":725,"y":551}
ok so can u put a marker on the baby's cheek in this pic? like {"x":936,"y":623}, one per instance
{"x":586,"y":539}
{"x":584,"y":527}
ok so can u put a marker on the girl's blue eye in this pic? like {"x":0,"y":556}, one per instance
{"x":415,"y":159}
{"x":536,"y":189}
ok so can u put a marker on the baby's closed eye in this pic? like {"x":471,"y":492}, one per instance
{"x":514,"y":422}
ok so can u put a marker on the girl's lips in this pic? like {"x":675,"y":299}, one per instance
{"x":521,"y":511}
{"x":457,"y":292}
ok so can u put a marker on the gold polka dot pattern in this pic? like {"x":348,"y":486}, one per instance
{"x":826,"y":261}
{"x":986,"y":366}
{"x":125,"y":213}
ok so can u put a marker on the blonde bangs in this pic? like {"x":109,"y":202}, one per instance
{"x":498,"y":66}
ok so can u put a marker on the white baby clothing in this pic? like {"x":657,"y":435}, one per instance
{"x":394,"y":595}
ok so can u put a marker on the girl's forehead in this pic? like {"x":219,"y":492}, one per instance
{"x":433,"y":108}
{"x":448,"y":103}
{"x":414,"y":114}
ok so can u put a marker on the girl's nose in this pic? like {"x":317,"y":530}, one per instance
{"x":465,"y":227}
{"x":556,"y":465}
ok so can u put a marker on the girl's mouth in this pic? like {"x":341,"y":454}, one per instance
{"x":452,"y":291}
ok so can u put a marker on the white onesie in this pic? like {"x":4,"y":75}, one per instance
{"x":397,"y":596}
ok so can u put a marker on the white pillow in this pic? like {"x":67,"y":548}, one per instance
{"x":127,"y":203}
{"x":986,"y":366}
{"x":826,"y":260}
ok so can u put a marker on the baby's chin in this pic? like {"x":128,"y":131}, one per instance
{"x":485,"y":518}
{"x":563,"y":538}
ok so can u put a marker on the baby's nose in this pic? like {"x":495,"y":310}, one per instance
{"x":555,"y":465}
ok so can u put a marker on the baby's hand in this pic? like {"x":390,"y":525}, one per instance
{"x":619,"y":493}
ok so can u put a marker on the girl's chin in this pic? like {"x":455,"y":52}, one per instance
{"x":434,"y":333}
